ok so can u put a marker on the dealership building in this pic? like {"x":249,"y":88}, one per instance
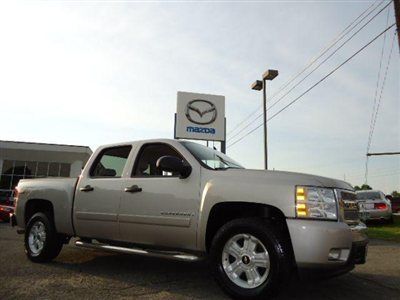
{"x":19,"y":160}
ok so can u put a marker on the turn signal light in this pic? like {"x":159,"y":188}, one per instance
{"x":301,"y":207}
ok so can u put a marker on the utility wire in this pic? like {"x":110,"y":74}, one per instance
{"x":377,"y":84}
{"x":375,"y":101}
{"x":312,"y":71}
{"x":375,"y":117}
{"x":313,"y":60}
{"x":340,"y":36}
{"x":315,"y":84}
{"x":383,"y":84}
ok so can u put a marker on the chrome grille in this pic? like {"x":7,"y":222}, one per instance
{"x":348,"y":207}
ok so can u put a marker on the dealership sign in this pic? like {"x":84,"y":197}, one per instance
{"x":200,"y":117}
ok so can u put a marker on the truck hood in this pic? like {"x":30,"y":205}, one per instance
{"x":285,"y":178}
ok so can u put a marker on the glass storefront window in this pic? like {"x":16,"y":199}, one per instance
{"x":30,"y":169}
{"x":42,"y":169}
{"x":5,"y":182}
{"x":8,"y":167}
{"x":13,"y":171}
{"x":54,"y":169}
{"x":65,"y":170}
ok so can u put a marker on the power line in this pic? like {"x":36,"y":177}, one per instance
{"x":375,"y":109}
{"x":377,"y":84}
{"x":378,"y":175}
{"x":340,"y":36}
{"x":375,"y":98}
{"x":378,"y":106}
{"x":313,"y":70}
{"x":315,"y":84}
{"x":383,"y":85}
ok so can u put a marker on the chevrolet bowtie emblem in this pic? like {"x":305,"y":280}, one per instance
{"x":201,"y":112}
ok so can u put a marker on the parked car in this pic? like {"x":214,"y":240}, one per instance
{"x":373,"y":205}
{"x":184,"y":201}
{"x":6,"y":208}
{"x":5,"y":211}
{"x":395,"y":202}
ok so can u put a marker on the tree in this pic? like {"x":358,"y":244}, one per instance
{"x":363,"y":187}
{"x":396,"y":194}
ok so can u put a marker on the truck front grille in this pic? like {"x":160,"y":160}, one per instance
{"x":348,"y":207}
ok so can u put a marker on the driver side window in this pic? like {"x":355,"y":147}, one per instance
{"x":145,"y":165}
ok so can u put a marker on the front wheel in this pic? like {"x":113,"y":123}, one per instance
{"x":250,"y":259}
{"x":42,"y":243}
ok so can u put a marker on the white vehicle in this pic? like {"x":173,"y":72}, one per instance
{"x":180,"y":200}
{"x":373,"y":205}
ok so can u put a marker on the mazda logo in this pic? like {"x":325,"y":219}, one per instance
{"x":201,"y":112}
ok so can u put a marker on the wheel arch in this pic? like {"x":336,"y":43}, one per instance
{"x":223,"y":212}
{"x":34,"y":206}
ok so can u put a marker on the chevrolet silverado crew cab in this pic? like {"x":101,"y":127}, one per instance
{"x":184,"y":201}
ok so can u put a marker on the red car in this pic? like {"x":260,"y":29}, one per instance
{"x":6,"y":208}
{"x":395,"y":201}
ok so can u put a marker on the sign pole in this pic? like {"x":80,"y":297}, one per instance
{"x":175,"y":127}
{"x":223,"y":143}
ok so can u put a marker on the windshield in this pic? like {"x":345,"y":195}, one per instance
{"x":368,"y":196}
{"x":211,"y":158}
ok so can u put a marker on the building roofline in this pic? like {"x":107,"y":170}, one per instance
{"x":47,"y":144}
{"x":43,"y":146}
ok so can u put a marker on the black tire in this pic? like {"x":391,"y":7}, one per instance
{"x":52,"y":244}
{"x":390,"y":221}
{"x":281,"y":261}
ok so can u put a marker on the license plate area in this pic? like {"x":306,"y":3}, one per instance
{"x":369,"y":206}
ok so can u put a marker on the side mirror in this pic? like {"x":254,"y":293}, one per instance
{"x":389,"y":197}
{"x":175,"y":165}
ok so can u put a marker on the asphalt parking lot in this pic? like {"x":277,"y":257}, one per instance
{"x":89,"y":274}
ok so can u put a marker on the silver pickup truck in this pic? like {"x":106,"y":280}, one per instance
{"x":183,"y":201}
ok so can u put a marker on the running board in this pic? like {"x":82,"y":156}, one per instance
{"x":145,"y":252}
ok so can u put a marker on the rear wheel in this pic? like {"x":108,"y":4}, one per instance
{"x":250,"y":259}
{"x":390,"y":220}
{"x":42,"y":243}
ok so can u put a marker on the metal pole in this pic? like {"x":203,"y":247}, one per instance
{"x":396,"y":4}
{"x":265,"y":124}
{"x":383,"y":153}
{"x":175,"y":127}
{"x":223,"y":143}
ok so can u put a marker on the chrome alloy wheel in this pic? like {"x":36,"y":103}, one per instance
{"x":37,"y":237}
{"x":246,"y":261}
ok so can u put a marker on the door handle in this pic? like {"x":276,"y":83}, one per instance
{"x":133,"y":189}
{"x":87,"y":188}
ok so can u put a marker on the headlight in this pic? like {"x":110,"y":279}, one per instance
{"x":316,"y":203}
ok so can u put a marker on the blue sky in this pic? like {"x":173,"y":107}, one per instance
{"x":96,"y":72}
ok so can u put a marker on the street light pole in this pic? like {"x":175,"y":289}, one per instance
{"x":265,"y":124}
{"x":262,"y":85}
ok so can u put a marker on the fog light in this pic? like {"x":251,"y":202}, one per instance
{"x":334,"y":254}
{"x":338,"y":254}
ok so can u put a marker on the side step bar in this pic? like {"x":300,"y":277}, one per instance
{"x":146,"y":252}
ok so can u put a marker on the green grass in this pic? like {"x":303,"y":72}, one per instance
{"x":389,"y":232}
